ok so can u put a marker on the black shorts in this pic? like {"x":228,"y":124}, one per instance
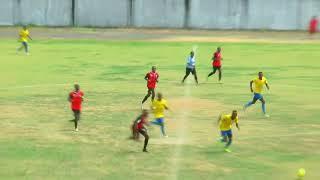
{"x":216,"y":67}
{"x":191,"y":70}
{"x":76,"y":111}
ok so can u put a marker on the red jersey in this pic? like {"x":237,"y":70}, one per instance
{"x":140,"y":122}
{"x":76,"y":99}
{"x":152,"y":78}
{"x":217,"y":59}
{"x":313,"y":25}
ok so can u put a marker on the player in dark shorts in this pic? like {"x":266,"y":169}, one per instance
{"x":138,"y":127}
{"x":76,"y":98}
{"x":191,"y":67}
{"x":152,"y":79}
{"x":216,"y":63}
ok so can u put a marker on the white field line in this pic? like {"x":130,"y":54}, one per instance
{"x":182,"y":120}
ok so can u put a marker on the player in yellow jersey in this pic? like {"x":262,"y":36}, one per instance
{"x":258,"y":82}
{"x":225,"y":125}
{"x":158,"y":107}
{"x":23,"y":38}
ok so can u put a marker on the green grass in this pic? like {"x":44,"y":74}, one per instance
{"x":37,"y":140}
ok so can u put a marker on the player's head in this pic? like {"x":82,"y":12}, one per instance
{"x":145,"y":112}
{"x":76,"y":87}
{"x":260,"y":74}
{"x":234,"y":114}
{"x":159,"y":96}
{"x":154,"y":68}
{"x":24,"y":27}
{"x":219,"y":49}
{"x":191,"y":53}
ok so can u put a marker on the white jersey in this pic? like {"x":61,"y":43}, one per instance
{"x":191,"y":62}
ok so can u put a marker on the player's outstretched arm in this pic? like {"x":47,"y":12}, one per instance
{"x":237,"y":125}
{"x":251,"y":82}
{"x":30,"y":37}
{"x":267,"y":85}
{"x":69,"y":98}
{"x":219,"y":119}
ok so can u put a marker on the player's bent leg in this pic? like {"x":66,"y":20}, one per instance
{"x":188,"y":71}
{"x":229,"y":134}
{"x":152,"y":94}
{"x":162,"y":127}
{"x":224,"y":136}
{"x":146,"y":139}
{"x":155,"y":122}
{"x":194,"y":72}
{"x":254,"y":100}
{"x":25,"y":45}
{"x":147,"y":96}
{"x":213,"y":72}
{"x":263,"y":105}
{"x":76,"y":118}
{"x":229,"y":139}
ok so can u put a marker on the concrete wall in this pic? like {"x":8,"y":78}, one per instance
{"x":159,"y":13}
{"x":273,"y":14}
{"x":102,"y":13}
{"x":216,"y":14}
{"x":308,"y":8}
{"x":39,"y":12}
{"x":6,"y":12}
{"x":206,"y":14}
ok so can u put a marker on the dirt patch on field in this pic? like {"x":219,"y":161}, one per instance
{"x":164,"y":35}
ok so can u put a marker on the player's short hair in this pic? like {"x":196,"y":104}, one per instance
{"x":77,"y":86}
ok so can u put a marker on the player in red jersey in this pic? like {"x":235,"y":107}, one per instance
{"x":313,"y":25}
{"x":138,"y":127}
{"x":152,"y":79}
{"x":76,"y":98}
{"x":216,"y":63}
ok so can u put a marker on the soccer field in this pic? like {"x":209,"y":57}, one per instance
{"x":37,"y":139}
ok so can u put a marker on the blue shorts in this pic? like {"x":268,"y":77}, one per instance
{"x":159,"y":120}
{"x":226,"y":133}
{"x":257,"y":96}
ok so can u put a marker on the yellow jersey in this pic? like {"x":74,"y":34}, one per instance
{"x":258,"y":84}
{"x":226,"y":122}
{"x":24,"y":35}
{"x":158,"y":107}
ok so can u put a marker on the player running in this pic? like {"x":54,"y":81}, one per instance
{"x":158,"y":106}
{"x":191,"y":67}
{"x":313,"y":25}
{"x":258,"y":87}
{"x":216,"y":63}
{"x":152,"y":79}
{"x":23,"y":38}
{"x":138,"y":127}
{"x":225,"y":124}
{"x":76,"y":99}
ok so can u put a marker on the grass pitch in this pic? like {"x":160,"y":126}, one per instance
{"x":37,"y":140}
